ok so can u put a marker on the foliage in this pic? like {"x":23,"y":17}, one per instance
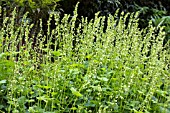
{"x":36,"y":3}
{"x":148,"y":9}
{"x":38,"y":9}
{"x":41,"y":8}
{"x":123,"y":69}
{"x":33,"y":4}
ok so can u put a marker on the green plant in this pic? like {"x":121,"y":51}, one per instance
{"x":163,"y":21}
{"x":107,"y":71}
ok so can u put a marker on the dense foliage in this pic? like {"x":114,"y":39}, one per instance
{"x":156,"y":10}
{"x":55,"y":60}
{"x":123,"y":69}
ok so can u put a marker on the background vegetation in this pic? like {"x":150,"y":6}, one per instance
{"x":156,"y":10}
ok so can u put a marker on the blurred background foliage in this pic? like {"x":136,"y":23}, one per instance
{"x":156,"y":10}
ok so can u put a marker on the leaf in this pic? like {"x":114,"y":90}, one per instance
{"x":134,"y":103}
{"x":154,"y":99}
{"x":1,"y":106}
{"x":41,"y":98}
{"x":56,"y":53}
{"x":46,"y":87}
{"x":103,"y":69}
{"x":90,"y":105}
{"x":89,"y":56}
{"x":2,"y":54}
{"x":54,"y":93}
{"x":76,"y":93}
{"x":144,"y":79}
{"x":163,"y":110}
{"x":97,"y":88}
{"x":73,"y":108}
{"x":22,"y":100}
{"x":74,"y":71}
{"x":2,"y":81}
{"x":161,"y":93}
{"x":114,"y":79}
{"x":104,"y":79}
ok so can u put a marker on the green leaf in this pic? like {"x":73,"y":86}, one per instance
{"x":90,"y":105}
{"x":103,"y":79}
{"x":114,"y":79}
{"x":56,"y":53}
{"x":73,"y":108}
{"x":75,"y":92}
{"x":144,"y":79}
{"x":1,"y":106}
{"x":1,"y":55}
{"x":2,"y":81}
{"x":163,"y":110}
{"x":97,"y":88}
{"x":22,"y":100}
{"x":46,"y":87}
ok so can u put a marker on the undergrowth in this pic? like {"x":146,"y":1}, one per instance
{"x":121,"y":70}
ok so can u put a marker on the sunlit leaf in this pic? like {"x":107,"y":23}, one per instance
{"x":56,"y":53}
{"x":103,"y":79}
{"x":2,"y":81}
{"x":2,"y":54}
{"x":75,"y":92}
{"x":73,"y":108}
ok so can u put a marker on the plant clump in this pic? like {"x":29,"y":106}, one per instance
{"x":121,"y":70}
